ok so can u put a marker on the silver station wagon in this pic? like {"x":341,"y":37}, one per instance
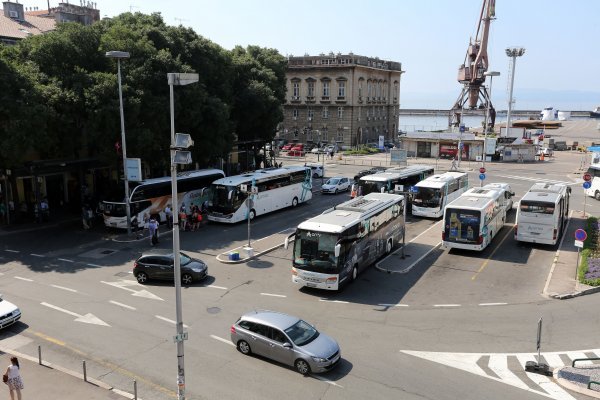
{"x":286,"y":339}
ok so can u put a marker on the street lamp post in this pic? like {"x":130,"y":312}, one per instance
{"x":512,"y":52}
{"x":178,"y":141}
{"x":119,"y":55}
{"x":491,"y":74}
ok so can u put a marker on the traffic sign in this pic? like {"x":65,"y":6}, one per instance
{"x":581,"y":235}
{"x":482,"y":176}
{"x":587,"y":185}
{"x":587,"y":177}
{"x":482,"y":170}
{"x":579,"y":243}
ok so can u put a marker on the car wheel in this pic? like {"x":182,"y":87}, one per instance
{"x":294,"y":202}
{"x":354,"y":273}
{"x":597,"y":195}
{"x":244,"y":347}
{"x":335,"y":191}
{"x":252,"y":214}
{"x":302,"y":367}
{"x":142,"y":277}
{"x":389,"y":246}
{"x":186,"y":279}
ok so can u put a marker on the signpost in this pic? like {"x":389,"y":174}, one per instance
{"x":580,"y":237}
{"x":539,"y":367}
{"x":587,"y":177}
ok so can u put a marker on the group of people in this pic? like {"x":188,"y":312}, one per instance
{"x":190,"y":220}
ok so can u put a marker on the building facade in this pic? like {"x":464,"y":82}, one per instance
{"x":344,"y":99}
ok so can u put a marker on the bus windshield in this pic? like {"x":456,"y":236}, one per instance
{"x":462,"y":225}
{"x":114,"y":209}
{"x":536,"y":207}
{"x":226,"y":199}
{"x":367,"y":187}
{"x":315,"y":251}
{"x":427,"y":197}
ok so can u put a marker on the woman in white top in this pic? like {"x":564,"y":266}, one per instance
{"x":15,"y":383}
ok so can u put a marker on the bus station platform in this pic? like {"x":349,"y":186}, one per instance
{"x":242,"y":254}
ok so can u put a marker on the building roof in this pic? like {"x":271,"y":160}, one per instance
{"x":32,"y":25}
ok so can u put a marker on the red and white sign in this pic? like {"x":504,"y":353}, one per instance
{"x":587,"y":177}
{"x":482,"y":170}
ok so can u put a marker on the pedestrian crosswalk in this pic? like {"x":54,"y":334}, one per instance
{"x":534,"y":179}
{"x":509,"y":368}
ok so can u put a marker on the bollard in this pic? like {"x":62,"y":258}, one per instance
{"x":84,"y":372}
{"x":39,"y":354}
{"x":134,"y":390}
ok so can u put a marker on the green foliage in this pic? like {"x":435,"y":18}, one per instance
{"x":361,"y":151}
{"x":591,"y":250}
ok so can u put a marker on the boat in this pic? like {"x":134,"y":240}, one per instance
{"x":548,"y":114}
{"x":564,"y":115}
{"x":595,"y":113}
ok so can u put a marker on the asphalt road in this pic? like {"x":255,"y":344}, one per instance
{"x":442,"y":331}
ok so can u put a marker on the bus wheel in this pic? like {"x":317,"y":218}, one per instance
{"x":252,"y":214}
{"x":294,"y":202}
{"x":389,"y":246}
{"x":354,"y":273}
{"x":597,"y":195}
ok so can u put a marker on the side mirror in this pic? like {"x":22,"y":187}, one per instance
{"x":287,"y":345}
{"x":286,"y":243}
{"x":229,"y":194}
{"x":337,"y":249}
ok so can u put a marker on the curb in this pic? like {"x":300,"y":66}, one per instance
{"x":74,"y":374}
{"x":575,"y":388}
{"x":578,"y":293}
{"x":243,"y":260}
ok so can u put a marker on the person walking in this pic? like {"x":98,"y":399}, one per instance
{"x":169,"y":214}
{"x":84,"y":218}
{"x":13,"y":378}
{"x":153,"y":230}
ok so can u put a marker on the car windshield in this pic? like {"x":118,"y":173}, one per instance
{"x":184,"y":259}
{"x":333,"y":181}
{"x":302,"y":333}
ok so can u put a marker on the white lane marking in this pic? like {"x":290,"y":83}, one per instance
{"x":170,"y":320}
{"x":579,"y":354}
{"x":87,"y":318}
{"x":12,"y":251}
{"x":493,"y":304}
{"x":93,"y":265}
{"x":325,"y":380}
{"x":64,"y":288}
{"x":66,"y":260}
{"x":139,"y":293}
{"x":37,"y":255}
{"x":392,"y":305}
{"x":553,"y":360}
{"x":334,"y":301}
{"x":499,"y":364}
{"x":555,"y":391}
{"x":23,"y":279}
{"x":220,"y":339}
{"x":273,"y":295}
{"x":116,"y":303}
{"x":446,"y":305}
{"x":525,"y":178}
{"x":217,"y":287}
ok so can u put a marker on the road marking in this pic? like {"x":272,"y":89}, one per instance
{"x":392,"y":305}
{"x":23,"y":279}
{"x":217,"y":287}
{"x":170,"y":321}
{"x":499,"y":365}
{"x":64,"y":288}
{"x":493,"y":304}
{"x":50,"y":339}
{"x":93,"y":265}
{"x":525,"y":178}
{"x":334,"y":301}
{"x":273,"y":295}
{"x":138,"y":293}
{"x":446,"y":305}
{"x":116,"y":303}
{"x":66,"y":260}
{"x":326,"y":381}
{"x":12,"y":251}
{"x":485,"y":263}
{"x":220,"y":339}
{"x":37,"y":255}
{"x":87,"y":318}
{"x":555,"y":391}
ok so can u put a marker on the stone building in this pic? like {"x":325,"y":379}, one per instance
{"x":344,"y":99}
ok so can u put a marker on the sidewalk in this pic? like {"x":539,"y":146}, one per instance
{"x":52,"y":382}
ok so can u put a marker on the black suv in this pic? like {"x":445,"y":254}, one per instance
{"x":158,"y":264}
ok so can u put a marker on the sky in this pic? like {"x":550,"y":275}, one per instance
{"x":560,"y":67}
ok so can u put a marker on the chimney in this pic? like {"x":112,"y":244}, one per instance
{"x":14,"y":10}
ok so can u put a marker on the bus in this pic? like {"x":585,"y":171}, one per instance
{"x":276,"y":188}
{"x":151,"y":196}
{"x":594,"y":190}
{"x":472,"y":220}
{"x":332,"y":248}
{"x":431,"y":195}
{"x":393,"y":180}
{"x":543,"y":213}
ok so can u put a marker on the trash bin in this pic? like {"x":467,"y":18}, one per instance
{"x":234,"y":256}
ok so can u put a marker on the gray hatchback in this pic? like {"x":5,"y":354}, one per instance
{"x":286,"y":339}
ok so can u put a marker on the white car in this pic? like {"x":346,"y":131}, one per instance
{"x":316,"y":170}
{"x":336,"y":184}
{"x":9,"y":313}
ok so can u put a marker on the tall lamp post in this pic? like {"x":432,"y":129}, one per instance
{"x":119,"y":55}
{"x":512,"y":52}
{"x":491,"y":74}
{"x":179,"y":142}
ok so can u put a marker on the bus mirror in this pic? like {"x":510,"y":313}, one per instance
{"x":229,"y":194}
{"x":286,"y":243}
{"x":382,"y":190}
{"x":337,"y":249}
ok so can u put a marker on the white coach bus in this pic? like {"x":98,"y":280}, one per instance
{"x":332,"y":248}
{"x":594,"y":190}
{"x":276,"y":188}
{"x":390,"y":179}
{"x":472,"y":220}
{"x":431,"y":195}
{"x":543,"y":213}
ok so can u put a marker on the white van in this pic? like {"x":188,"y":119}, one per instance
{"x":507,"y":192}
{"x":316,"y":169}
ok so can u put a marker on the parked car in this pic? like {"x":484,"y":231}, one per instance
{"x":296,"y":151}
{"x":317,"y":150}
{"x":332,"y":147}
{"x":158,"y":264}
{"x":336,"y":184}
{"x":286,"y":339}
{"x":316,"y":170}
{"x":9,"y":313}
{"x":286,"y":147}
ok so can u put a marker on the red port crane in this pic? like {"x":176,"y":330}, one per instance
{"x":474,"y":94}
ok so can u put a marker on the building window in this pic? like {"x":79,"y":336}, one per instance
{"x":311,"y":89}
{"x":368,"y":89}
{"x":360,"y":93}
{"x":295,"y":113}
{"x":296,"y":133}
{"x":341,"y":89}
{"x":324,"y":135}
{"x":296,"y":90}
{"x":340,"y":112}
{"x":340,"y":136}
{"x":311,"y":114}
{"x":325,"y":113}
{"x":325,"y":89}
{"x":309,"y":135}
